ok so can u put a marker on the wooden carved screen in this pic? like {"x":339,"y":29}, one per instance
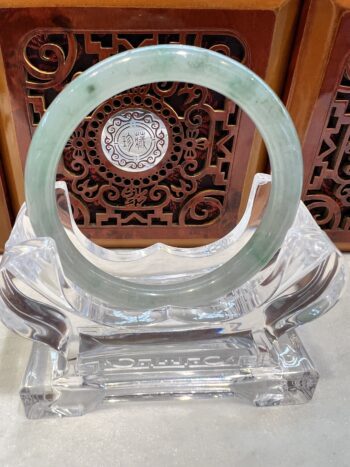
{"x":192,"y":195}
{"x":190,"y":187}
{"x":321,"y":110}
{"x":327,"y":193}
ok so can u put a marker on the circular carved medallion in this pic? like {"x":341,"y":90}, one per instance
{"x":134,"y":140}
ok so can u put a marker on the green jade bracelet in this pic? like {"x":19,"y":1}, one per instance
{"x":160,"y":64}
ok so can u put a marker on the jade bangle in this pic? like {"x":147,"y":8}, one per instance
{"x":147,"y":65}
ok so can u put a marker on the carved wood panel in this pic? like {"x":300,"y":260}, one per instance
{"x":322,"y":114}
{"x":190,"y":184}
{"x":327,"y":193}
{"x":192,"y":194}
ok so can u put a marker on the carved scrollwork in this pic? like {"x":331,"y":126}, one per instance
{"x":328,"y":189}
{"x":49,"y":61}
{"x":202,"y":208}
{"x":325,"y":210}
{"x":188,"y":184}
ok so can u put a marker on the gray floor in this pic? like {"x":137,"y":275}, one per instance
{"x":191,"y":433}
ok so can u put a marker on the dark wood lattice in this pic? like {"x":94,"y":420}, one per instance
{"x":328,"y":190}
{"x":326,"y":146}
{"x":193,"y":194}
{"x":189,"y":186}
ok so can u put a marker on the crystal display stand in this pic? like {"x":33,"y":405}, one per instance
{"x":217,"y":320}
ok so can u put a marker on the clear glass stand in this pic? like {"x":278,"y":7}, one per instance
{"x":246,"y":367}
{"x":88,"y":354}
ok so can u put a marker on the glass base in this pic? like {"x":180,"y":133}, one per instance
{"x":88,"y":353}
{"x":251,"y":367}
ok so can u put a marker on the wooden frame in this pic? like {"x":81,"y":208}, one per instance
{"x":5,"y":216}
{"x":285,"y":13}
{"x":313,"y":101}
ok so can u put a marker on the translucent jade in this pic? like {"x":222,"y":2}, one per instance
{"x":135,"y":68}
